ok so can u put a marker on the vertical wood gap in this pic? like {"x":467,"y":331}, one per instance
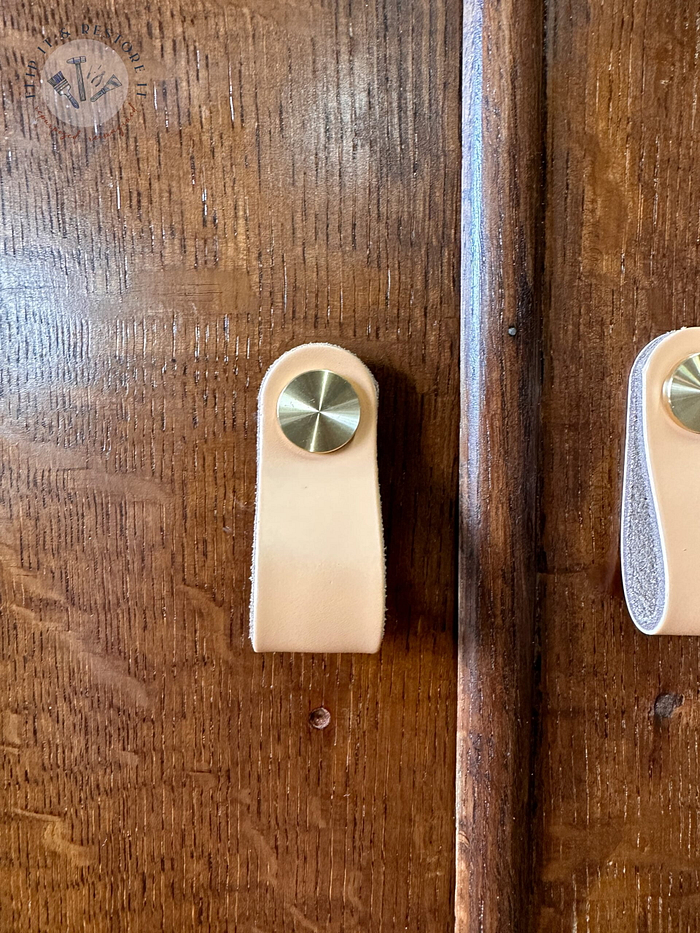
{"x":502,"y":272}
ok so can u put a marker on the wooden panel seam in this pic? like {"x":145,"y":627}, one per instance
{"x":502,"y":219}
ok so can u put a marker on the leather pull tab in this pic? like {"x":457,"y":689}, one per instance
{"x":318,"y":550}
{"x":660,"y":530}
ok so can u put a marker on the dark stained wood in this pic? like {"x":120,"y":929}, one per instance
{"x":501,"y":236}
{"x":618,"y":774}
{"x":292,"y":176}
{"x":605,"y":838}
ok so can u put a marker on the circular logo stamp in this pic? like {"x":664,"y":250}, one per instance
{"x":84,"y":83}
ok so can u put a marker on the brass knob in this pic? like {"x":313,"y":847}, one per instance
{"x":683,"y":393}
{"x":319,"y":411}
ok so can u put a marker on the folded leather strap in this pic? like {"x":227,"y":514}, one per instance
{"x":660,"y":533}
{"x":318,"y":551}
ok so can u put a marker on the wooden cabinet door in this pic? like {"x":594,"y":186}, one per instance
{"x":281,"y":172}
{"x":578,"y":752}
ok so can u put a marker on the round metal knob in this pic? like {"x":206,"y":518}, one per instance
{"x":683,"y":392}
{"x":319,"y":411}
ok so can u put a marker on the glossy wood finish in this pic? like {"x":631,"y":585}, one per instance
{"x":501,"y":235}
{"x":293,"y":176}
{"x":606,"y":838}
{"x":618,"y":775}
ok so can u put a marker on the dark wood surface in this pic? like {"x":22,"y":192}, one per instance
{"x":618,"y":766}
{"x":605,"y":838}
{"x":501,"y":235}
{"x":293,"y":176}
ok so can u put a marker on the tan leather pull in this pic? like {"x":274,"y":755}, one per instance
{"x":318,"y":551}
{"x":660,"y":534}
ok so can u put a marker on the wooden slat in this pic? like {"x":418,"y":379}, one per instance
{"x":619,"y":768}
{"x":562,"y":691}
{"x":293,"y":175}
{"x":502,"y":196}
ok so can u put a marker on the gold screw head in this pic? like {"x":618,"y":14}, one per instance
{"x":319,"y":411}
{"x":683,"y":393}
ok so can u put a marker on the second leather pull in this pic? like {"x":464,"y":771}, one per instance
{"x":660,"y":539}
{"x":318,"y":552}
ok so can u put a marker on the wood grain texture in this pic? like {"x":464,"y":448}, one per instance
{"x":606,"y":837}
{"x":293,"y":176}
{"x":618,"y":773}
{"x":501,"y":236}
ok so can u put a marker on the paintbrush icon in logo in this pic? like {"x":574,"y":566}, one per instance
{"x":61,"y":86}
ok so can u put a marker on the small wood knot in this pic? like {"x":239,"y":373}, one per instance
{"x":319,"y":717}
{"x":666,"y":703}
